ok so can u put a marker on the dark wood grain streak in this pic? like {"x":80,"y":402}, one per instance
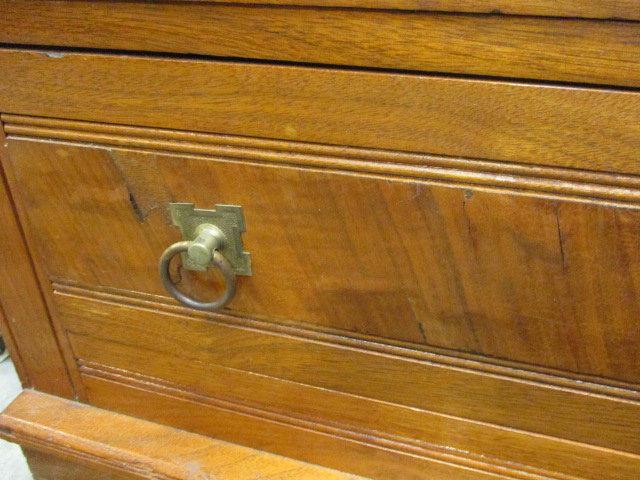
{"x":546,"y":125}
{"x":621,"y":9}
{"x":494,"y":45}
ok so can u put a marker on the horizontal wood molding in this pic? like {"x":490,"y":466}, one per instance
{"x":406,"y":430}
{"x":195,"y":413}
{"x":93,"y":437}
{"x":579,"y":185}
{"x":96,"y":327}
{"x":562,"y":459}
{"x":438,"y":356}
{"x":591,"y":129}
{"x":568,"y":50}
{"x":49,"y":466}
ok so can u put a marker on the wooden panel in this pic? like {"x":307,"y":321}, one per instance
{"x":359,"y":371}
{"x":579,"y":185}
{"x":23,"y":314}
{"x":383,"y":463}
{"x":133,"y":448}
{"x":361,"y":457}
{"x":548,"y":49}
{"x":571,"y":127}
{"x":549,"y":282}
{"x":413,"y":429}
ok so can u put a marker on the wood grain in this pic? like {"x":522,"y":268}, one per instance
{"x":439,"y":356}
{"x":582,"y":8}
{"x":504,"y":46}
{"x":46,"y":466}
{"x":97,"y":328}
{"x":133,"y":448}
{"x":408,"y":260}
{"x":446,"y":267}
{"x":25,"y":320}
{"x":400,"y":428}
{"x":578,"y":185}
{"x":363,"y":458}
{"x":559,"y":126}
{"x":197,"y":413}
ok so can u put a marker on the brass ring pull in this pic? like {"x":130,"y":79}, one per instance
{"x":202,"y":252}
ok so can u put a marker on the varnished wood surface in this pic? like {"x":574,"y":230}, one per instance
{"x":560,"y":126}
{"x":506,"y":46}
{"x":381,"y":461}
{"x":135,"y":187}
{"x":580,"y":185}
{"x":503,"y":275}
{"x":478,"y":363}
{"x":410,"y":405}
{"x":24,"y":319}
{"x":45,"y":466}
{"x":128,"y":338}
{"x":515,"y":454}
{"x":565,"y":8}
{"x":445,"y":268}
{"x":107,"y":443}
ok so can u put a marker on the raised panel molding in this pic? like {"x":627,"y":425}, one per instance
{"x":609,"y":191}
{"x":536,"y":180}
{"x":500,"y":368}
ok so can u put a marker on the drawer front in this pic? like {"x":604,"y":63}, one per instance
{"x":548,"y":282}
{"x":407,"y":312}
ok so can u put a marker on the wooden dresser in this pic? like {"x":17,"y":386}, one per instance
{"x":398,"y":239}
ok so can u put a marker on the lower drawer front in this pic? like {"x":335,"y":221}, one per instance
{"x":447,"y":323}
{"x":345,"y":404}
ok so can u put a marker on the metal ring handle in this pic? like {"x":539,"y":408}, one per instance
{"x":218,"y":260}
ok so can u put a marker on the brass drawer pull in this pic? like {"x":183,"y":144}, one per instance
{"x":215,"y":241}
{"x":215,"y":257}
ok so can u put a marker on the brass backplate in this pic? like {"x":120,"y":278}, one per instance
{"x":228,"y":218}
